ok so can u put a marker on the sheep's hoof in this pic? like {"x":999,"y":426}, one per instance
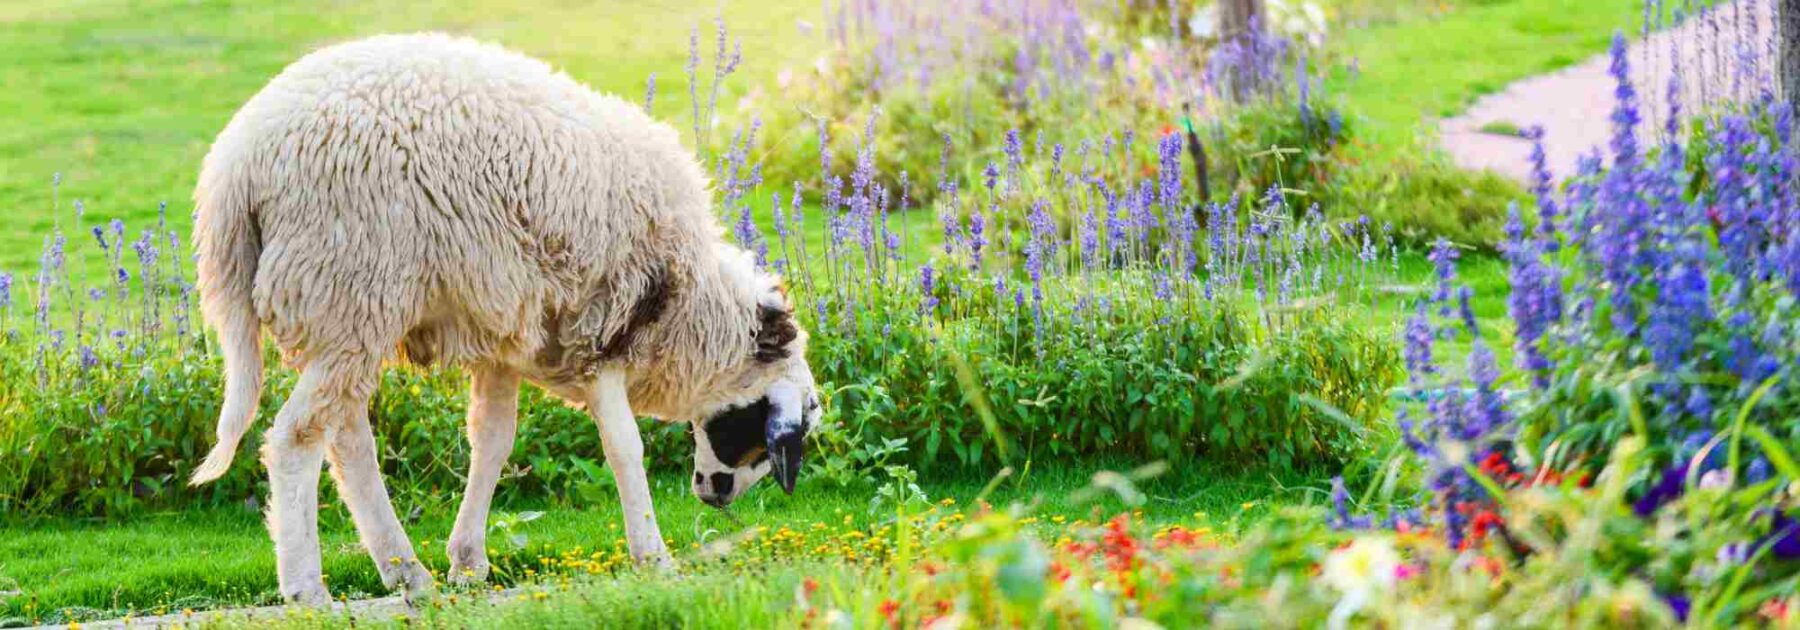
{"x":468,"y":576}
{"x":310,"y":596}
{"x":660,"y":563}
{"x":412,"y":579}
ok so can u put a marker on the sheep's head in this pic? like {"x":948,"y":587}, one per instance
{"x":764,"y":431}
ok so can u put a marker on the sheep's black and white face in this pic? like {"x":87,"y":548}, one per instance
{"x":736,"y":446}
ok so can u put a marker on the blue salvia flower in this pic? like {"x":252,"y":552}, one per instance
{"x":977,"y":236}
{"x":1467,"y":311}
{"x":1117,"y":235}
{"x":928,"y":286}
{"x":1681,"y":304}
{"x":1625,"y":117}
{"x":1541,"y":187}
{"x":749,"y":237}
{"x":1034,"y":269}
{"x":1340,"y":508}
{"x":1486,"y":411}
{"x":1419,"y":338}
{"x":1090,"y":240}
{"x":650,"y":92}
{"x":1043,"y":227}
{"x":1443,"y":258}
{"x":6,"y":284}
{"x":947,"y":217}
{"x":1535,"y":301}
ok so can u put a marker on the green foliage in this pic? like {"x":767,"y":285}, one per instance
{"x":1424,"y":198}
{"x":1277,"y":142}
{"x":1171,"y":381}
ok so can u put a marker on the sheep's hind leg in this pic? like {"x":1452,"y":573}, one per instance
{"x":493,"y":424}
{"x":625,"y":455}
{"x":293,"y":449}
{"x":358,"y":475}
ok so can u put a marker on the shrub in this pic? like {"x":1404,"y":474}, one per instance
{"x":1425,"y":198}
{"x":902,"y":79}
{"x":1140,"y":377}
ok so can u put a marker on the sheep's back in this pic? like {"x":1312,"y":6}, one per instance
{"x":446,"y":191}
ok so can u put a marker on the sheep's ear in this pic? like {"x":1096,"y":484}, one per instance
{"x":774,"y":331}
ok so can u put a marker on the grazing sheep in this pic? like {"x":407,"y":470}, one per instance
{"x":451,"y":202}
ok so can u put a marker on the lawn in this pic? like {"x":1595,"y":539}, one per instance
{"x":122,"y":98}
{"x":1416,"y":62}
{"x":200,"y":559}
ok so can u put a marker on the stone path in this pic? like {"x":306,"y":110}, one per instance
{"x":1724,"y":57}
{"x":354,"y":612}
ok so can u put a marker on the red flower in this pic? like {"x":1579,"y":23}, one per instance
{"x":1121,"y":549}
{"x":1490,"y":565}
{"x":1060,"y":572}
{"x":810,"y":585}
{"x":1179,"y":537}
{"x":1776,"y":609}
{"x":1484,"y":521}
{"x":889,"y":610}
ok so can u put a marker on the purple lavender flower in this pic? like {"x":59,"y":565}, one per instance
{"x":89,"y":360}
{"x":1535,"y":302}
{"x":1625,"y":117}
{"x":1443,"y":258}
{"x":1419,"y":336}
{"x":977,"y":236}
{"x":928,"y":287}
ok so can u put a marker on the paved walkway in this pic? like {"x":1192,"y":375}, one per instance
{"x":1727,"y":56}
{"x":355,"y":612}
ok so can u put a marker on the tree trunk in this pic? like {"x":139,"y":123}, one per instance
{"x":1236,"y":16}
{"x":1787,"y":19}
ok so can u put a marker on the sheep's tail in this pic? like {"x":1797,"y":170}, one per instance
{"x":229,"y":244}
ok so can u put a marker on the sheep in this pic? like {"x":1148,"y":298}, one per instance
{"x":448,"y":202}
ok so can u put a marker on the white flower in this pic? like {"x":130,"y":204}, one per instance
{"x":1368,"y":564}
{"x":1205,"y":22}
{"x":1359,"y":571}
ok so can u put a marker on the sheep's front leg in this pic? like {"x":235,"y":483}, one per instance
{"x":625,"y":454}
{"x":493,"y":425}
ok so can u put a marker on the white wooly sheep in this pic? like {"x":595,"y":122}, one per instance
{"x":452,"y":202}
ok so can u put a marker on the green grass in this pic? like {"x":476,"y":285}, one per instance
{"x":1419,"y":65}
{"x":208,"y":558}
{"x":123,"y":98}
